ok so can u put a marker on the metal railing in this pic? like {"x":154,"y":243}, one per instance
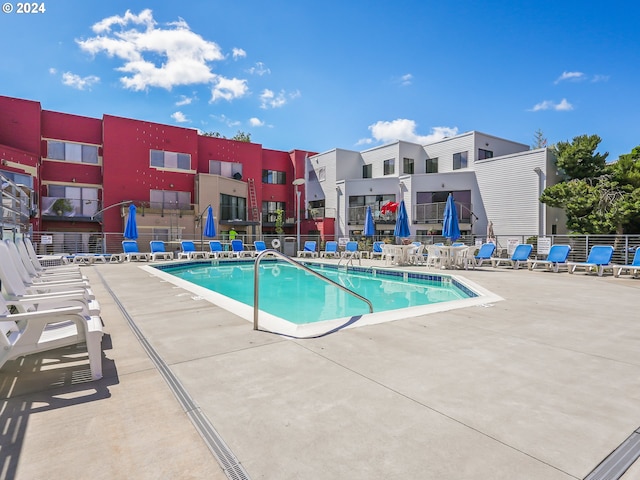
{"x":276,"y":253}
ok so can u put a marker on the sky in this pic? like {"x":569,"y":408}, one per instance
{"x":350,"y":74}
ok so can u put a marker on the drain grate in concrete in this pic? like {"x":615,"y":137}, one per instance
{"x":227,"y":460}
{"x":619,"y":461}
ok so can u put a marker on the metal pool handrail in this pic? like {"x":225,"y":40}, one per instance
{"x":296,"y":264}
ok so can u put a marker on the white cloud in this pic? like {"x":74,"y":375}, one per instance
{"x":406,"y":80}
{"x":226,"y":120}
{"x":180,"y":117}
{"x":184,"y":100}
{"x":404,"y":129}
{"x":564,"y":105}
{"x":53,"y":71}
{"x":571,"y":76}
{"x":228,"y":89}
{"x":154,"y":56}
{"x":78,"y":82}
{"x":259,"y":69}
{"x":238,"y":53}
{"x":600,"y":78}
{"x":256,"y":122}
{"x":269,"y":99}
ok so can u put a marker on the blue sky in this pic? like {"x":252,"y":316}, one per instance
{"x":337,"y":74}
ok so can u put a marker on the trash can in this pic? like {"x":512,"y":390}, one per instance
{"x":290,"y":248}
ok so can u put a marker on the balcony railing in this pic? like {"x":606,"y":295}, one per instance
{"x":72,"y":208}
{"x":356,"y":215}
{"x":434,"y":212}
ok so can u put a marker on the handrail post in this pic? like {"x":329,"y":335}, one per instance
{"x":256,"y":282}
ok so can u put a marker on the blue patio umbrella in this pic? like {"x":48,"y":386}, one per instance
{"x":450,"y":226}
{"x":369,"y":227}
{"x":402,"y":222}
{"x":210,"y":226}
{"x":131,"y":228}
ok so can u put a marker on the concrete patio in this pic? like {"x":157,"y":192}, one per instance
{"x":542,"y":385}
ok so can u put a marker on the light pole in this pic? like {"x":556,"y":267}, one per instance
{"x":297,"y":182}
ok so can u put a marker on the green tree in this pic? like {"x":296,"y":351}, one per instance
{"x":578,"y":159}
{"x":598,"y":198}
{"x":242,"y":137}
{"x":212,"y":134}
{"x":539,"y":140}
{"x":279,"y":221}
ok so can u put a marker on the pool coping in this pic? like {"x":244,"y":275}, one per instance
{"x":271,"y":323}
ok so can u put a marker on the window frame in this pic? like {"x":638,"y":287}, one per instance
{"x":460,"y":160}
{"x":431,"y":162}
{"x":159,"y":159}
{"x":389,"y":166}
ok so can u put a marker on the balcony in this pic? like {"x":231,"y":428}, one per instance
{"x":69,"y":209}
{"x":356,"y":215}
{"x":434,"y":212}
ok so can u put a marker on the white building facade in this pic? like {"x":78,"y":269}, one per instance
{"x":491,"y":179}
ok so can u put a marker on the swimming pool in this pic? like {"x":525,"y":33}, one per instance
{"x":288,"y":295}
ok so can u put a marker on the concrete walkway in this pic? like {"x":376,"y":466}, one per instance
{"x":542,"y":385}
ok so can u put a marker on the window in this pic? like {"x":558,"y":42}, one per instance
{"x":233,"y":208}
{"x":226,"y":169}
{"x":460,"y":160}
{"x":322,"y":174}
{"x":169,"y":199}
{"x":83,"y":200}
{"x":173,"y":160}
{"x":482,"y":154}
{"x":270,"y":209}
{"x":72,"y":152}
{"x":407,"y":165}
{"x":274,"y":176}
{"x":432,"y":165}
{"x":389,"y":166}
{"x":367,"y":171}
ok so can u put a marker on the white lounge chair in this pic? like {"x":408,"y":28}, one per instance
{"x":216,"y":250}
{"x":238,"y":250}
{"x":133,"y":253}
{"x":519,"y":256}
{"x":158,"y":251}
{"x":330,"y":250}
{"x":556,"y":258}
{"x":598,"y":260}
{"x":32,"y":332}
{"x":28,"y":298}
{"x":484,"y":255}
{"x":309,"y":249}
{"x":633,"y":267}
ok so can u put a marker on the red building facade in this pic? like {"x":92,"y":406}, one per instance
{"x":83,"y":171}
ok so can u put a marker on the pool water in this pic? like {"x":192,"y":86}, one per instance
{"x":291,"y":293}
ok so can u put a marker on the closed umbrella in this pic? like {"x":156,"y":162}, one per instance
{"x":402,"y":222}
{"x":131,"y":228}
{"x":210,"y":226}
{"x":369,"y":227}
{"x":450,"y":226}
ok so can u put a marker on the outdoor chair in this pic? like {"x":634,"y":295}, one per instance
{"x":519,"y":256}
{"x":158,"y":251}
{"x":376,"y":251}
{"x":330,"y":250}
{"x":309,"y":249}
{"x":132,"y":253}
{"x":598,"y":260}
{"x":556,"y":258}
{"x":484,"y":255}
{"x":190,"y":252}
{"x":238,"y":251}
{"x":633,"y":268}
{"x":217,"y":251}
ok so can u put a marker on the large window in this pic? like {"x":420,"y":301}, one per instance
{"x":432,"y":165}
{"x":270,"y":209}
{"x":173,"y":160}
{"x":168,"y":199}
{"x":367,"y":171}
{"x":460,"y":160}
{"x":389,"y":166}
{"x":407,"y":165}
{"x":482,"y":154}
{"x":274,"y":176}
{"x":80,"y":201}
{"x":72,"y":152}
{"x":233,"y":208}
{"x":226,"y":169}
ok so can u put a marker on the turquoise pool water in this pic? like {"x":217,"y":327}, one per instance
{"x":301,"y":298}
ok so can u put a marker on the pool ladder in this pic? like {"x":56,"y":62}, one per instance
{"x":284,"y":257}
